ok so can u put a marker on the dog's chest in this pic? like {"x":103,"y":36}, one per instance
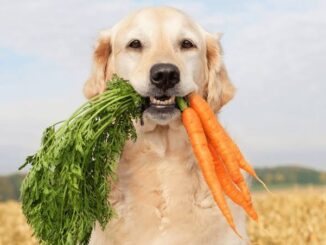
{"x":158,"y":179}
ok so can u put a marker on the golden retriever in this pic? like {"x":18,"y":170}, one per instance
{"x":160,"y":197}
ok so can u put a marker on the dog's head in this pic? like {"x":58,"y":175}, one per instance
{"x":163,"y":54}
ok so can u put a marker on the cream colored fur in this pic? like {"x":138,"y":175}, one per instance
{"x":160,"y":197}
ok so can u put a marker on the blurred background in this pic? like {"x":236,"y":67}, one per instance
{"x":274,"y":51}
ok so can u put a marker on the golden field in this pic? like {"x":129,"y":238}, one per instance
{"x":13,"y":227}
{"x":286,"y":217}
{"x":290,"y":217}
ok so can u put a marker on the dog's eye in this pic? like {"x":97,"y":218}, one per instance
{"x":135,"y":44}
{"x":187,"y":44}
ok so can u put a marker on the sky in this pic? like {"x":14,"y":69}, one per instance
{"x":275,"y":53}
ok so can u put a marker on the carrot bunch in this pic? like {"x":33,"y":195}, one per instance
{"x":219,"y":158}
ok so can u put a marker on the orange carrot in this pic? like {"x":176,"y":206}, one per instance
{"x":228,"y":186}
{"x":218,"y":138}
{"x":245,"y":165}
{"x":241,"y":160}
{"x":205,"y":160}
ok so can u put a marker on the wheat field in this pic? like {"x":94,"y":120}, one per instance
{"x":296,"y":216}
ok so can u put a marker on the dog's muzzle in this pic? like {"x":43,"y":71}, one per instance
{"x":162,"y":107}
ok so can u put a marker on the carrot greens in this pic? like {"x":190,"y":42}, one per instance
{"x":65,"y":191}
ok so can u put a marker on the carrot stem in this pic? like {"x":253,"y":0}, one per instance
{"x":182,"y":104}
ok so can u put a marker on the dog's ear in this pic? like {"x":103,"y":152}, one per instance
{"x":99,"y":73}
{"x":218,"y":89}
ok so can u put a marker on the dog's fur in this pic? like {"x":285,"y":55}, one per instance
{"x":160,"y":197}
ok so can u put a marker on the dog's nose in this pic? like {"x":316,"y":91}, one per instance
{"x":164,"y":76}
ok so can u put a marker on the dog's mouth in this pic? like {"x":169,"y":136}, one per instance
{"x":162,"y":109}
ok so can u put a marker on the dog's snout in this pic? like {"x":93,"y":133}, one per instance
{"x":164,"y":76}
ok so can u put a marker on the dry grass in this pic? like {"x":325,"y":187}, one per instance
{"x":290,"y":217}
{"x":13,"y":227}
{"x":286,"y":217}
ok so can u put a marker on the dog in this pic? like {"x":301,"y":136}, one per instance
{"x":160,"y":197}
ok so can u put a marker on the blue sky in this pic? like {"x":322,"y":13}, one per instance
{"x":274,"y":50}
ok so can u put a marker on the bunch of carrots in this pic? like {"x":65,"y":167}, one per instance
{"x":219,"y":158}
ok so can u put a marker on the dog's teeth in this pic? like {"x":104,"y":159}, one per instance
{"x":162,"y":102}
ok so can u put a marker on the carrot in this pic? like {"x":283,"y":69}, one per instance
{"x":219,"y":139}
{"x":205,"y":160}
{"x":245,"y":165}
{"x":228,"y":186}
{"x":241,"y":160}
